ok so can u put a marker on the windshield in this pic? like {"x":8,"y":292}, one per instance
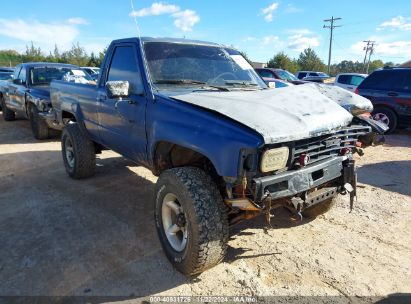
{"x":199,"y":65}
{"x":44,"y":75}
{"x":6,"y":76}
{"x":285,"y":75}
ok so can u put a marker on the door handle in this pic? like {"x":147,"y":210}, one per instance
{"x":392,"y":94}
{"x":350,"y":88}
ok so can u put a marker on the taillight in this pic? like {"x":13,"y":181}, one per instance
{"x":356,"y":91}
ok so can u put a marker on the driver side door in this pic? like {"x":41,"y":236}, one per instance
{"x":122,"y":120}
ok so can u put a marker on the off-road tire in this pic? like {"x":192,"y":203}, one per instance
{"x":83,"y":151}
{"x":205,"y":214}
{"x":8,"y":115}
{"x":318,"y":209}
{"x":392,"y":125}
{"x":38,"y":125}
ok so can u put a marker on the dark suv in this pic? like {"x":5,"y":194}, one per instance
{"x":389,"y":90}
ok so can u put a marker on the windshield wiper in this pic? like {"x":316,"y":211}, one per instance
{"x":178,"y":81}
{"x":242,"y":83}
{"x":190,"y":81}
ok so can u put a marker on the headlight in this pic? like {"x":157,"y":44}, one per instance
{"x":274,"y":159}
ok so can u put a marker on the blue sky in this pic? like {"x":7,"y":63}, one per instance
{"x":260,"y":28}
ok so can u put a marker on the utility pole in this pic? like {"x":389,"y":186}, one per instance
{"x":368,"y":47}
{"x":331,"y":27}
{"x":370,"y":53}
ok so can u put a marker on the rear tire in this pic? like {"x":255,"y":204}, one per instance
{"x":188,"y":200}
{"x":78,"y":152}
{"x":318,"y":209}
{"x":8,"y":115}
{"x":38,"y":125}
{"x":387,"y":116}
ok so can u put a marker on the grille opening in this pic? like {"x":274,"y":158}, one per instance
{"x":317,"y":174}
{"x":278,"y":187}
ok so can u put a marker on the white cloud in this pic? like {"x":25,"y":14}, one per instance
{"x":396,"y":23}
{"x":400,"y":48}
{"x":249,"y":38}
{"x":41,"y":33}
{"x":183,"y":19}
{"x":269,"y":40}
{"x":299,"y":42}
{"x":77,"y":21}
{"x":156,"y":9}
{"x":268,"y":11}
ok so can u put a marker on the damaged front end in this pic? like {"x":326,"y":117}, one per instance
{"x":317,"y":170}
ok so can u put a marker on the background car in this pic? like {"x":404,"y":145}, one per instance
{"x":349,"y":81}
{"x":389,"y":90}
{"x":6,"y":73}
{"x":278,"y":74}
{"x":303,"y":74}
{"x":92,"y":71}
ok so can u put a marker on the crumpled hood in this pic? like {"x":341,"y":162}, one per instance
{"x":285,"y":114}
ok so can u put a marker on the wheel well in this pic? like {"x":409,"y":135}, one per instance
{"x":386,"y":107}
{"x":67,"y":116}
{"x":168,"y":155}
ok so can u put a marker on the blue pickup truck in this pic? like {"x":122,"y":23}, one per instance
{"x":27,"y":93}
{"x":225,"y":147}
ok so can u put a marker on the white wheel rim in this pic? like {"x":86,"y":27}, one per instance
{"x":382,"y":118}
{"x":174,"y":222}
{"x":68,"y":146}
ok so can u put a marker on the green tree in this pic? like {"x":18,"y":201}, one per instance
{"x":76,"y":55}
{"x":33,"y":54}
{"x":282,"y":61}
{"x":375,"y":64}
{"x":309,"y":61}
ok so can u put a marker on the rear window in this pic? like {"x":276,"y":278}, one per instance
{"x":344,"y":79}
{"x":386,"y":80}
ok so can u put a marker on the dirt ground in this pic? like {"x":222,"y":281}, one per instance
{"x":61,"y":237}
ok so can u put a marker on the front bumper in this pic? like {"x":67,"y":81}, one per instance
{"x":290,"y":183}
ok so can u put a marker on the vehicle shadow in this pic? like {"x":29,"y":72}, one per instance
{"x":380,"y":175}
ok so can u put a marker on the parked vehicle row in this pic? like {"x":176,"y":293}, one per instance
{"x":225,"y":147}
{"x":28,"y":93}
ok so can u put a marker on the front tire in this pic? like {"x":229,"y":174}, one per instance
{"x":38,"y":125}
{"x":8,"y":115}
{"x":191,"y":220}
{"x":78,"y":152}
{"x":386,"y":116}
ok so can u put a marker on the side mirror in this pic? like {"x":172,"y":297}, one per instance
{"x":116,"y":89}
{"x":18,"y":81}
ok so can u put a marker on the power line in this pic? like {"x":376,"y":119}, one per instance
{"x":331,"y":27}
{"x":369,"y":50}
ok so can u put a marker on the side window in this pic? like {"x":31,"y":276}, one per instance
{"x":302,"y":75}
{"x":356,"y":80}
{"x":344,"y":79}
{"x":265,"y":73}
{"x":313,"y":74}
{"x":405,"y":84}
{"x":380,"y":80}
{"x":22,"y":75}
{"x":124,"y":67}
{"x":16,"y":72}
